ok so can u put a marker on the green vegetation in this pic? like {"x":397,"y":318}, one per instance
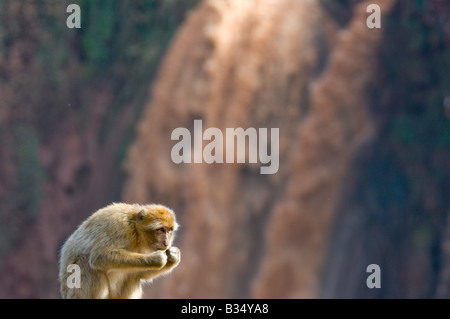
{"x":406,"y":183}
{"x":51,"y":75}
{"x":30,"y":174}
{"x":418,"y":79}
{"x":124,"y":42}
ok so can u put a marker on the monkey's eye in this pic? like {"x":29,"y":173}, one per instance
{"x":160,"y":230}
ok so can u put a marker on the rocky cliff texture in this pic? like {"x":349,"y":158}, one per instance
{"x":246,"y":234}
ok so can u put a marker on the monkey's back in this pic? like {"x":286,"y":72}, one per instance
{"x":107,"y":227}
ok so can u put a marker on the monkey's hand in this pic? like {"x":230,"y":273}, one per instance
{"x":157,"y":259}
{"x":173,"y":256}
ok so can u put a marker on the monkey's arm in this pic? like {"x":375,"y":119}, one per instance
{"x":123,"y":259}
{"x":173,"y":259}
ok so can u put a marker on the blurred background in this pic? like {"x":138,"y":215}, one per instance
{"x":86,"y":117}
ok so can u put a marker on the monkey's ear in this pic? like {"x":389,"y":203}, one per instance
{"x":140,"y":216}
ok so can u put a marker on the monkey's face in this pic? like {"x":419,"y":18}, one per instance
{"x":157,"y":225}
{"x":163,"y":237}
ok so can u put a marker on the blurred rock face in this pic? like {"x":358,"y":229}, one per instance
{"x":282,"y":64}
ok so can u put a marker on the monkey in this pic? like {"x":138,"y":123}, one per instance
{"x":118,"y":248}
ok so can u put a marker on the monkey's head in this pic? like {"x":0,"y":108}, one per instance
{"x":156,"y":225}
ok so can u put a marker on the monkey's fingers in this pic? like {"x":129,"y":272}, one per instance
{"x":173,"y":254}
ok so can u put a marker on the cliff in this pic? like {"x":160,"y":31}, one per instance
{"x":331,"y":85}
{"x":260,"y":64}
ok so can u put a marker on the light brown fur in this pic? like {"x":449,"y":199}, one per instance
{"x":116,"y":248}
